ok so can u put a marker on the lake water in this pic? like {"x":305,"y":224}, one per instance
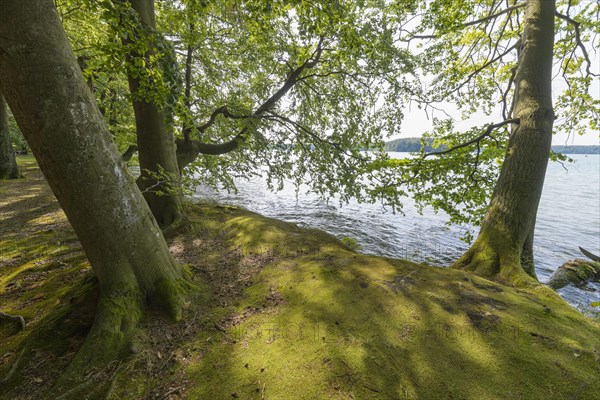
{"x":568,"y":217}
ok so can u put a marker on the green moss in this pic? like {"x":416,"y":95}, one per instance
{"x":335,"y":324}
{"x":56,"y":326}
{"x":493,"y":257}
{"x":350,"y":243}
{"x":313,"y":320}
{"x":28,"y":159}
{"x":175,"y":296}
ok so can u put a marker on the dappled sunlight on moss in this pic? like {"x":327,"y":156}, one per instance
{"x":294,"y":314}
{"x":42,"y":275}
{"x":350,"y":325}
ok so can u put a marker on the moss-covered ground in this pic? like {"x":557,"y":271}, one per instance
{"x":292,"y":314}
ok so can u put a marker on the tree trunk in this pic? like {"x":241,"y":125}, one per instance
{"x":504,"y":247}
{"x":155,"y":140}
{"x":59,"y":117}
{"x":8,"y":161}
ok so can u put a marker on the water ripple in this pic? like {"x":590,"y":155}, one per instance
{"x":568,"y":217}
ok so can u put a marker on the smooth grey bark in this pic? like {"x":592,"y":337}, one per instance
{"x":506,"y":236}
{"x":155,"y":139}
{"x":131,"y":150}
{"x":8,"y":161}
{"x":58,"y":115}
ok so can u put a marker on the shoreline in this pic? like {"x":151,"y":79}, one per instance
{"x":353,"y":325}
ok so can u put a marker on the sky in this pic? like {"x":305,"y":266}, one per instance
{"x":416,"y":122}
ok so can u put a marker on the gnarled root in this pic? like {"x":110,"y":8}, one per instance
{"x":117,"y":316}
{"x":110,"y":337}
{"x":496,"y":261}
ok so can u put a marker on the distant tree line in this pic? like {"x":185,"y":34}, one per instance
{"x":592,"y":149}
{"x":409,"y":145}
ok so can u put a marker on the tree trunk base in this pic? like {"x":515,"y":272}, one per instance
{"x":180,"y":225}
{"x":117,"y":316}
{"x":111,"y":335}
{"x":490,"y":260}
{"x":11,"y":175}
{"x":173,"y":296}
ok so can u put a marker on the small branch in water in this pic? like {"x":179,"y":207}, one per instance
{"x":589,"y":255}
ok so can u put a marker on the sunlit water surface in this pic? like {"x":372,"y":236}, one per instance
{"x":568,"y":217}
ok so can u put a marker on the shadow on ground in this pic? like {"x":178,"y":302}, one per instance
{"x":292,"y":314}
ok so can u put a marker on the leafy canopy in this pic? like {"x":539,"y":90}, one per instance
{"x":308,"y":86}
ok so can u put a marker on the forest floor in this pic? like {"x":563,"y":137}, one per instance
{"x":290,"y":313}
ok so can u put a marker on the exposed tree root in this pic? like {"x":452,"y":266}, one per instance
{"x":179,"y":225}
{"x":173,"y":296}
{"x":496,"y":261}
{"x":117,"y":316}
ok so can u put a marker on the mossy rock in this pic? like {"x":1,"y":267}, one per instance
{"x":575,"y":272}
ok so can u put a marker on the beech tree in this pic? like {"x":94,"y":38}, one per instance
{"x":296,"y":91}
{"x":49,"y":97}
{"x":8,"y":162}
{"x":481,"y":54}
{"x":155,"y":139}
{"x":504,"y":247}
{"x":241,"y":92}
{"x":292,"y":91}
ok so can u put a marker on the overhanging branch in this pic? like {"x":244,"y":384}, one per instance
{"x":269,"y":104}
{"x":495,"y":15}
{"x":471,"y":23}
{"x":478,"y":139}
{"x":484,"y":66}
{"x":189,"y":149}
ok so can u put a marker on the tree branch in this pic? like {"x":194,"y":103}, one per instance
{"x":131,"y":150}
{"x":191,"y":146}
{"x":478,"y":139}
{"x":478,"y":70}
{"x":506,"y":113}
{"x":304,"y":129}
{"x":419,"y":37}
{"x":221,"y":110}
{"x":578,"y":41}
{"x":471,"y":23}
{"x":496,"y":15}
